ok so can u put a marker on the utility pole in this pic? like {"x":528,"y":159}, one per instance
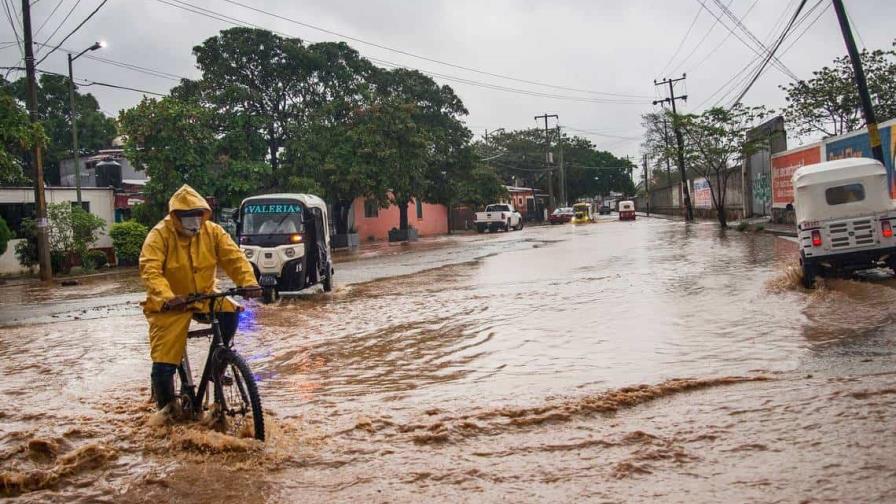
{"x":547,"y":156}
{"x":647,"y":184}
{"x":43,"y":239}
{"x":867,"y":110}
{"x":666,"y":141}
{"x":689,"y":210}
{"x":563,"y":196}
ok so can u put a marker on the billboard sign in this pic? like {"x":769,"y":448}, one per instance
{"x":783,"y":166}
{"x":856,"y":144}
{"x":702,"y":193}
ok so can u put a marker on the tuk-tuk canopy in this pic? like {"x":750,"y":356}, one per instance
{"x":840,"y":189}
{"x":626,"y":205}
{"x":582,"y":206}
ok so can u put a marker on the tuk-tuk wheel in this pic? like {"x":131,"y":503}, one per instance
{"x":269,"y":295}
{"x":328,"y":282}
{"x":809,"y":272}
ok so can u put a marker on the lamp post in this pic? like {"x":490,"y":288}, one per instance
{"x":71,"y":96}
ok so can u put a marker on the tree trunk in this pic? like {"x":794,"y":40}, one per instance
{"x":403,"y":215}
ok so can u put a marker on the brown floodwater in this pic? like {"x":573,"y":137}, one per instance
{"x":613,"y":362}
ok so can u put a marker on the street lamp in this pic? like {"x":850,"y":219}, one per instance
{"x":71,"y":97}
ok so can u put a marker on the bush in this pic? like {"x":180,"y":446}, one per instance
{"x":26,"y":250}
{"x":72,"y":232}
{"x":742,"y":226}
{"x":127,"y":239}
{"x":94,"y":259}
{"x":5,"y":236}
{"x":147,"y":214}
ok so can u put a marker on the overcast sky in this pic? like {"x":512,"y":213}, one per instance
{"x":588,"y":46}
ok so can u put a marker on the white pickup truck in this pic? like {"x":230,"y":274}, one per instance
{"x":498,"y":216}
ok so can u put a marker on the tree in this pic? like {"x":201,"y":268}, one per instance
{"x":169,"y":139}
{"x":5,"y":236}
{"x":256,"y":82}
{"x":95,"y":130}
{"x":829,"y":103}
{"x":717,"y":141}
{"x":17,"y":137}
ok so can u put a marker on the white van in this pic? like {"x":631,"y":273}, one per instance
{"x":843,"y":213}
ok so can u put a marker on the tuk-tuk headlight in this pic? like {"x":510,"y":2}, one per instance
{"x":290,"y":252}
{"x":249,"y":253}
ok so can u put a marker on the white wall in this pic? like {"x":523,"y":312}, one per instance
{"x":9,"y":265}
{"x":102,"y":202}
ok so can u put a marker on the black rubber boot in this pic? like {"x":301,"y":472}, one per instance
{"x":163,"y":383}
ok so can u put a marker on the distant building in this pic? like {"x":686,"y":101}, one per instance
{"x":373,"y":223}
{"x":108,"y":168}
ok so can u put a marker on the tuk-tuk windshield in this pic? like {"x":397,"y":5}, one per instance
{"x":267,"y":218}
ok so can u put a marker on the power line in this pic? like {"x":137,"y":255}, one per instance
{"x":413,"y":55}
{"x":62,"y":23}
{"x":47,"y":19}
{"x":771,"y":53}
{"x":783,"y":70}
{"x":683,"y":40}
{"x":719,"y":45}
{"x":238,"y":22}
{"x":129,"y":66}
{"x":100,"y":6}
{"x":88,"y":83}
{"x":12,"y":24}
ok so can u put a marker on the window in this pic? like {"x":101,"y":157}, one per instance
{"x":419,"y":209}
{"x":371,"y":209}
{"x":497,"y":208}
{"x":848,"y":193}
{"x":13,"y":213}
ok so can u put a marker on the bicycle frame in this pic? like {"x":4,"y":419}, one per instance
{"x":185,"y":371}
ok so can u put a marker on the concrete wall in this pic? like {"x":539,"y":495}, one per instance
{"x":669,"y":200}
{"x":102,"y":202}
{"x":434,"y":221}
{"x":9,"y":265}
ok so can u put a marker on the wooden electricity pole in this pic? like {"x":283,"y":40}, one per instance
{"x":679,"y":139}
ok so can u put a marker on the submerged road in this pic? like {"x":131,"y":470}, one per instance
{"x":618,"y":361}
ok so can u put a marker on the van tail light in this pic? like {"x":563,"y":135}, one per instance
{"x":886,"y":229}
{"x":816,"y":238}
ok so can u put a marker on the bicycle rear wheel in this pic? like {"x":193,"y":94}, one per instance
{"x":237,"y":403}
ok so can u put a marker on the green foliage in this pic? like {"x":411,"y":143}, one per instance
{"x":94,"y":259}
{"x":829,"y":103}
{"x":17,"y":136}
{"x":95,"y":130}
{"x":127,"y":239}
{"x":73,"y":230}
{"x":26,"y":250}
{"x":148,"y":214}
{"x":742,"y":226}
{"x":5,"y":236}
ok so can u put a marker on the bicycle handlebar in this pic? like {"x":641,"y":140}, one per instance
{"x":196,"y":297}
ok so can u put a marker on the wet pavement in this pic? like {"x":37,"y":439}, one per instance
{"x":613,"y":362}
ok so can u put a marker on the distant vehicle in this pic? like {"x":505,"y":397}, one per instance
{"x":560,"y":215}
{"x":844,"y":217}
{"x":498,"y":216}
{"x":604,"y":210}
{"x":582,"y":213}
{"x":627,"y":210}
{"x":286,"y":237}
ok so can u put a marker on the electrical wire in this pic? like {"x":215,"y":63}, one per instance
{"x":771,"y":53}
{"x":62,"y":23}
{"x":86,"y":83}
{"x":739,"y":24}
{"x":683,"y":40}
{"x":237,"y":22}
{"x":720,"y":44}
{"x":413,"y":55}
{"x":100,"y":6}
{"x":129,"y":66}
{"x":47,"y":19}
{"x":12,"y":25}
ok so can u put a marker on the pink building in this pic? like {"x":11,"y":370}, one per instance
{"x":374,"y":223}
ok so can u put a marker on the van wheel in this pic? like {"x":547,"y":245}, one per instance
{"x":809,"y":273}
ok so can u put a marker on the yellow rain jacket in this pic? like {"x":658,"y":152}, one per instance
{"x":172,"y":264}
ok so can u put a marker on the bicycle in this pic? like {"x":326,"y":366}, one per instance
{"x":235,"y":393}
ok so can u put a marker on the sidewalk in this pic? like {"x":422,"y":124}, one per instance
{"x":767,"y":226}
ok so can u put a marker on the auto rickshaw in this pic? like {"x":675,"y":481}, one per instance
{"x":627,"y":210}
{"x":286,"y":237}
{"x":582,"y":213}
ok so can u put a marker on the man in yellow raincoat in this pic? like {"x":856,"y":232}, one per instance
{"x":180,"y":257}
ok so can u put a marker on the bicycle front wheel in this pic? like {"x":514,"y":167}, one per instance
{"x":237,"y":403}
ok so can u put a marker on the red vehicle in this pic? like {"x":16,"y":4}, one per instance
{"x":561,"y":215}
{"x":626,"y":210}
